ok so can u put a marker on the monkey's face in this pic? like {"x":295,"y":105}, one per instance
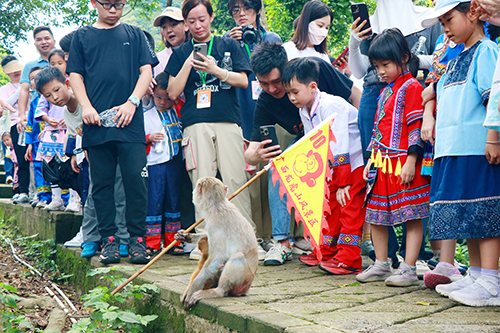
{"x":209,"y":190}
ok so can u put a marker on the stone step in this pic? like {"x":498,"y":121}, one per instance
{"x":2,"y":177}
{"x":6,"y":190}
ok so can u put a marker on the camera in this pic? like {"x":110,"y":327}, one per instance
{"x":250,"y":34}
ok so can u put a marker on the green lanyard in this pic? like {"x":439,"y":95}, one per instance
{"x":248,"y":50}
{"x":203,"y":74}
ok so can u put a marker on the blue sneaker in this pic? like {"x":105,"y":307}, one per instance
{"x":89,"y":249}
{"x":123,"y":250}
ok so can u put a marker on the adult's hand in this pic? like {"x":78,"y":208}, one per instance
{"x":208,"y":64}
{"x":125,"y":113}
{"x":357,"y":29}
{"x":90,"y":116}
{"x":490,"y":11}
{"x":5,"y":105}
{"x":236,"y":33}
{"x":256,"y":153}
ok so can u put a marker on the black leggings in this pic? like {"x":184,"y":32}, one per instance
{"x":23,"y":171}
{"x":132,"y":160}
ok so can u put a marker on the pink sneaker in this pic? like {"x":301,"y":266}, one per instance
{"x":443,"y":273}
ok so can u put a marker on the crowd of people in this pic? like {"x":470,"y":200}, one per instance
{"x":417,"y":141}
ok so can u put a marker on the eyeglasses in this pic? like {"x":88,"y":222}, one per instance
{"x":237,"y":10}
{"x":108,"y":6}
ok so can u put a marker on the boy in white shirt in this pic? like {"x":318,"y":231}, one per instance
{"x":340,"y":251}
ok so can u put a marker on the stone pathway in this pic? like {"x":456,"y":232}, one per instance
{"x":297,"y":298}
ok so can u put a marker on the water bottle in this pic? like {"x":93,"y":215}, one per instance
{"x":21,"y":141}
{"x":419,"y":48}
{"x":227,"y":64}
{"x":160,"y":146}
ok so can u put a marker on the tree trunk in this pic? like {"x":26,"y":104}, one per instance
{"x":263,"y":19}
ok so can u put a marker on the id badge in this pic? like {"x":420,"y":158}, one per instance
{"x":204,"y":98}
{"x":256,"y":90}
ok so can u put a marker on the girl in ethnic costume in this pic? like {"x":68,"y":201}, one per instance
{"x":465,"y":196}
{"x":400,"y":194}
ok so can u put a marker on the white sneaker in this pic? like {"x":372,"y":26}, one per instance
{"x":480,"y":293}
{"x":56,"y":204}
{"x":22,"y":199}
{"x":302,"y":247}
{"x":195,"y":254}
{"x":422,"y":267}
{"x":73,"y":206}
{"x":9,"y":180}
{"x":76,"y":241}
{"x":41,"y":204}
{"x":262,"y":252}
{"x":447,"y":289}
{"x":277,"y":255}
{"x":35,"y":201}
{"x":15,"y":196}
{"x":266,"y":244}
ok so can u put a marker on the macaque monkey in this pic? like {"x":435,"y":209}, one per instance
{"x":230,"y":261}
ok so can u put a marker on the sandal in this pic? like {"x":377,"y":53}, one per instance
{"x":175,"y":250}
{"x":152,"y":251}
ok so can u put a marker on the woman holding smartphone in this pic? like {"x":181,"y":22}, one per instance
{"x":246,"y":13}
{"x":213,"y":140}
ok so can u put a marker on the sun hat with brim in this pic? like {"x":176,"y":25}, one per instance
{"x":12,"y":67}
{"x":442,"y":7}
{"x":171,"y":12}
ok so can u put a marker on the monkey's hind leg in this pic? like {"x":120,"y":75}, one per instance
{"x":236,"y":278}
{"x":203,"y":248}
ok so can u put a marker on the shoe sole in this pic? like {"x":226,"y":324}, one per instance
{"x":139,"y":261}
{"x":109,"y":261}
{"x":339,"y":270}
{"x":373,"y":279}
{"x":433,"y":280}
{"x":398,"y":284}
{"x":273,"y":262}
{"x":476,"y":303}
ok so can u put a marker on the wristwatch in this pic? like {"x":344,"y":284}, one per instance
{"x":135,"y":100}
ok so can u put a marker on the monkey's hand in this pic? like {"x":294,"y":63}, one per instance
{"x":183,"y":236}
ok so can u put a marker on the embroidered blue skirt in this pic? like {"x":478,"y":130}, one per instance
{"x":465,"y":198}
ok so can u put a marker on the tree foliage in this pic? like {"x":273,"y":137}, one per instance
{"x":19,"y":17}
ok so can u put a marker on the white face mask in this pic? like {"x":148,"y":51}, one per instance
{"x":316,"y":34}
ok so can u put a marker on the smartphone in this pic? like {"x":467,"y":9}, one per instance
{"x":202,"y":48}
{"x":360,"y":10}
{"x":345,"y":52}
{"x":269,"y":132}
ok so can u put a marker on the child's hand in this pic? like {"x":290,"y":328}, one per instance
{"x":62,"y":123}
{"x":74,"y":164}
{"x":356,"y":29}
{"x":492,"y":150}
{"x":428,"y":126}
{"x":51,"y":121}
{"x":90,"y":116}
{"x":27,"y":156}
{"x":428,"y":94}
{"x":125,"y":113}
{"x":408,"y":169}
{"x":39,"y":137}
{"x":342,"y":193}
{"x":155,"y":137}
{"x":367,"y":170}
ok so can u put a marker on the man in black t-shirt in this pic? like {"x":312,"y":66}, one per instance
{"x":273,"y":107}
{"x":110,"y":66}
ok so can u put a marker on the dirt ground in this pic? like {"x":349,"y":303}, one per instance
{"x":32,"y":286}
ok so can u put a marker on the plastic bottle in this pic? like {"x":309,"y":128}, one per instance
{"x":21,"y":141}
{"x":419,"y":48}
{"x":160,"y":146}
{"x":227,"y":64}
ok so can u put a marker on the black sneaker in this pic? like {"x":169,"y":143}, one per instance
{"x":137,"y":252}
{"x":110,"y":253}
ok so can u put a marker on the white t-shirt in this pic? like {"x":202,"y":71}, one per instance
{"x":345,"y":127}
{"x":163,"y":57}
{"x":292,"y":52}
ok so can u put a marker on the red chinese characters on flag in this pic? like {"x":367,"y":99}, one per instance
{"x":302,"y":170}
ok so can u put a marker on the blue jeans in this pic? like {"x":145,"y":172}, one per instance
{"x":279,"y":213}
{"x":8,"y":165}
{"x":366,"y":114}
